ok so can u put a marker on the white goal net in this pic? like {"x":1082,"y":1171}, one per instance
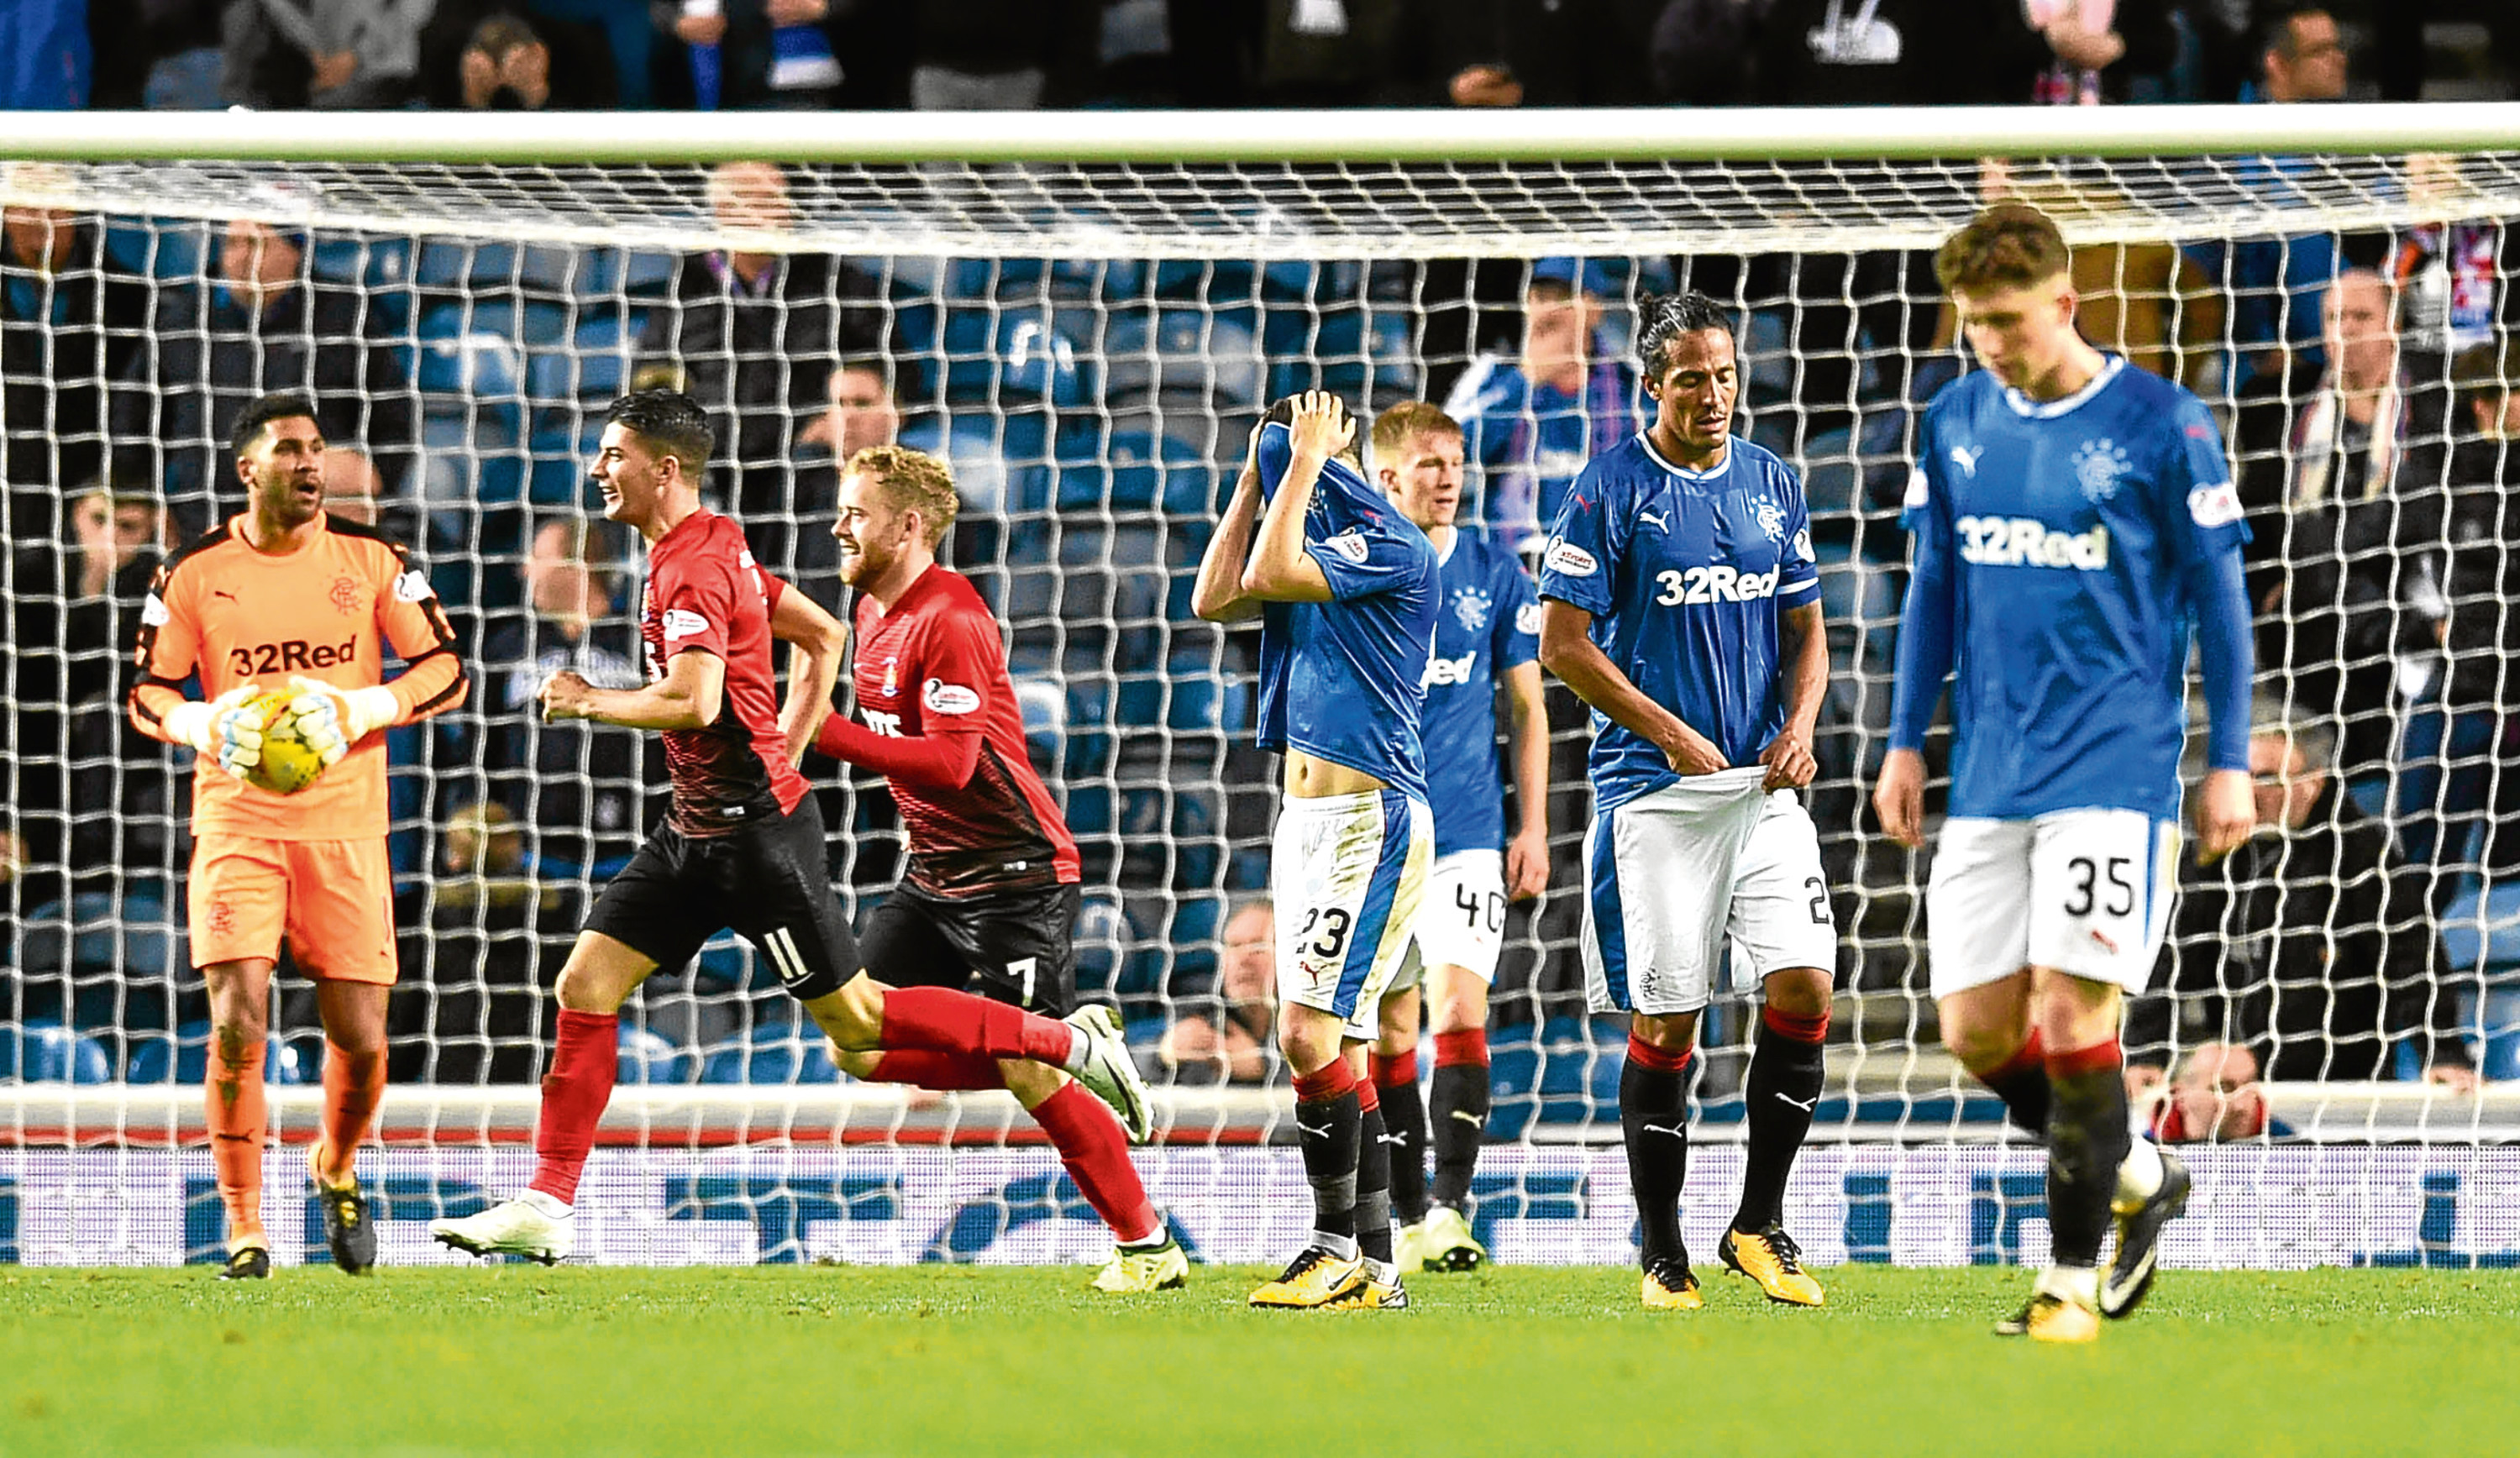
{"x":1087,"y":325}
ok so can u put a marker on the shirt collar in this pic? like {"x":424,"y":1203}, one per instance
{"x":2048,"y":409}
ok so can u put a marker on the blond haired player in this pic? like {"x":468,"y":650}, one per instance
{"x":283,"y":597}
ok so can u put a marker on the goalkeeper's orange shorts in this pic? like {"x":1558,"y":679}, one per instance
{"x":331,"y":899}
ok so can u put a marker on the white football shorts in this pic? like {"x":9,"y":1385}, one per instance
{"x":1461,"y":923}
{"x":2087,"y":891}
{"x":1671,"y":877}
{"x":1347,"y":874}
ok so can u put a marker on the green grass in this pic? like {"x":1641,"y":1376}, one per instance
{"x":944,"y":1360}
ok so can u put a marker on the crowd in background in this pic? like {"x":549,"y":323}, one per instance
{"x":2366,"y":380}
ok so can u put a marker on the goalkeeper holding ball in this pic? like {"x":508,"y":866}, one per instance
{"x":285,"y":615}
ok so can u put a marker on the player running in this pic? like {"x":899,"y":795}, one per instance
{"x":1486,"y":640}
{"x":1681,"y":601}
{"x":742,"y":845}
{"x":281,"y":596}
{"x":1345,"y":591}
{"x":991,"y":891}
{"x":2072,"y":513}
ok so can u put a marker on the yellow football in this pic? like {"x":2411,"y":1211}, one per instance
{"x":287,"y":765}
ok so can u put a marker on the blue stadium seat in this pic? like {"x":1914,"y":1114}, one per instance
{"x":1133,"y":467}
{"x":474,"y":358}
{"x":45,"y":1052}
{"x":650,"y":1057}
{"x":1180,"y":356}
{"x":171,"y":248}
{"x":1117,"y":280}
{"x":595,"y":365}
{"x":560,"y":458}
{"x":1513,"y":1080}
{"x":1104,"y":938}
{"x":467,"y":463}
{"x":1576,"y":1067}
{"x":1036,"y":363}
{"x":2481,"y":930}
{"x":773,"y":1056}
{"x":186,"y":1058}
{"x":134,"y":937}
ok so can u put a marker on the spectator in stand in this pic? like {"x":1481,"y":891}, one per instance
{"x":360,"y":55}
{"x":261,"y":324}
{"x":1549,"y":53}
{"x":1530,"y":422}
{"x":468,"y":1006}
{"x":2459,"y":571}
{"x":577,"y":788}
{"x":987,"y":55}
{"x":2314,"y":944}
{"x":859,"y":413}
{"x":753,"y":331}
{"x":69,"y":323}
{"x":757,"y":54}
{"x":507,"y":67}
{"x":2214,"y":1097}
{"x":1872,"y":53}
{"x":89,"y":794}
{"x":1238,"y":1040}
{"x":163,"y":55}
{"x":2329,"y":457}
{"x":2276,"y":284}
{"x":46,"y":65}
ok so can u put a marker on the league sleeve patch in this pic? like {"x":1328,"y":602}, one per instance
{"x":941,"y":697}
{"x":2214,"y":505}
{"x":1351,"y":544}
{"x":1526,"y":619}
{"x":1918,"y":488}
{"x":152,"y":611}
{"x":684,"y":622}
{"x":1803,"y":548}
{"x":413,"y":587}
{"x":1567,"y":559}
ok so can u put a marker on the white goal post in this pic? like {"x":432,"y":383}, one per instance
{"x":1085,"y":311}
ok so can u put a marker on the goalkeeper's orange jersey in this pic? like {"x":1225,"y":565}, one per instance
{"x":233,"y":615}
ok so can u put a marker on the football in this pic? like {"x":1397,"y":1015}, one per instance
{"x":289,"y":763}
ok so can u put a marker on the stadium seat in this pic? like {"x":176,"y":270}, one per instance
{"x":1036,"y":364}
{"x":133,"y":938}
{"x":466,"y":462}
{"x":43,"y":1052}
{"x":776,"y":1056}
{"x":185,"y":1058}
{"x":2481,"y":929}
{"x":1513,"y":1080}
{"x":1180,"y":356}
{"x":594,"y":366}
{"x":177,"y":249}
{"x":1106,"y":965}
{"x":650,"y":1057}
{"x":560,"y":456}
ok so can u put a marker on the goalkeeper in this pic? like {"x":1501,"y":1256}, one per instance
{"x":285,"y":615}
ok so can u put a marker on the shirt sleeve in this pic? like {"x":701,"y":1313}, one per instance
{"x":696,"y":604}
{"x":957,"y":665}
{"x":413,"y":621}
{"x":2200,"y":515}
{"x":1515,"y":633}
{"x":1797,"y":567}
{"x":1364,"y":560}
{"x":167,"y":652}
{"x":1575,"y":566}
{"x":1924,"y":659}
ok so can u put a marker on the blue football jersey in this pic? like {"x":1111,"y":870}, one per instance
{"x":1486,"y":621}
{"x":2058,"y":539}
{"x":1686,"y":574}
{"x":1340,"y":680}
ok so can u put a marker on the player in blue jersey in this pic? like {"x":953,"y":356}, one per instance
{"x":2074,"y":519}
{"x":1487,"y":644}
{"x":1344,"y":588}
{"x":1680,"y":598}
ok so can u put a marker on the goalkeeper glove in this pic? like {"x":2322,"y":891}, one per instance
{"x":332,"y":721}
{"x":227,"y":729}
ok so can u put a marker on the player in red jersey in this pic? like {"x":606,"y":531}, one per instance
{"x":990,"y":895}
{"x":743,"y":844}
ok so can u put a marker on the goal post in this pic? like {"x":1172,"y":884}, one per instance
{"x":1085,"y":313}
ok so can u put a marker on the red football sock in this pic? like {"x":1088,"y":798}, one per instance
{"x":1387,"y":1069}
{"x":354,"y":1084}
{"x":945,"y":1073}
{"x":233,"y":1094}
{"x":941,"y":1019}
{"x":1468,"y":1046}
{"x":1095,"y":1151}
{"x":574,"y":1093}
{"x":1661,"y":1060}
{"x":1368,"y":1097}
{"x":1813,"y":1029}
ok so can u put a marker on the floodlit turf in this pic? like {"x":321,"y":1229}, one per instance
{"x":945,"y":1361}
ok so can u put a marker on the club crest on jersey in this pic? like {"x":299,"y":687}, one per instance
{"x":1470,"y":607}
{"x":345,"y":594}
{"x":2098,"y":466}
{"x":1351,"y":544}
{"x":1772,"y":519}
{"x":941,"y":697}
{"x":891,"y":678}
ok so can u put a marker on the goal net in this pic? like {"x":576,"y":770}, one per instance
{"x":1087,"y":325}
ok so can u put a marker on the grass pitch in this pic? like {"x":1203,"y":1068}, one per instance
{"x":942,"y":1360}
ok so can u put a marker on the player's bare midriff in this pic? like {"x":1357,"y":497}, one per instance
{"x":1311,"y":778}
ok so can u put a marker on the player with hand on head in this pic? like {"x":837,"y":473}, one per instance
{"x":1680,"y":598}
{"x":1487,"y":644}
{"x":2072,"y":516}
{"x":284,"y":594}
{"x":742,"y":845}
{"x":990,"y":897}
{"x":1344,"y":588}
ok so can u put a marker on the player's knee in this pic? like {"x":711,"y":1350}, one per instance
{"x":1673,"y":1033}
{"x":1799,"y":992}
{"x":236,"y":1035}
{"x":1398,"y":1025}
{"x":853,"y":1016}
{"x":1030,"y":1082}
{"x":1462,"y":1005}
{"x":1309,"y":1038}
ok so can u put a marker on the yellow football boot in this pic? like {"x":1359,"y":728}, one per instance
{"x":1163,"y":1268}
{"x":1671,"y":1286}
{"x":1316,"y":1279}
{"x":1771,"y":1257}
{"x":1376,"y":1296}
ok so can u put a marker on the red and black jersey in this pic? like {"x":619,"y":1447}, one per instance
{"x":703,"y":592}
{"x":933,"y":671}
